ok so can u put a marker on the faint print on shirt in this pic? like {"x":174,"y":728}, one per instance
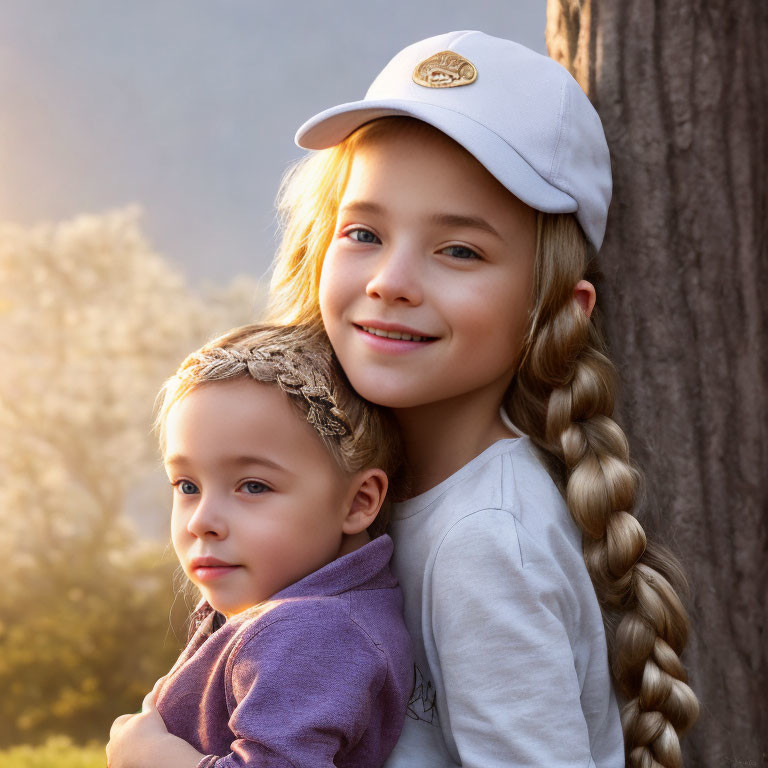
{"x":423,"y":705}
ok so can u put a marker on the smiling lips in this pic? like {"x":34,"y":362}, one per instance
{"x":396,"y":333}
{"x":210,"y":568}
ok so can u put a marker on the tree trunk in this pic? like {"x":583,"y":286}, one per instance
{"x":682,"y":89}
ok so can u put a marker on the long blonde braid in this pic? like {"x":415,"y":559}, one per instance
{"x":563,"y":398}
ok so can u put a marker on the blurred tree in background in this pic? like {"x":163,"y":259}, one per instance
{"x":91,"y":322}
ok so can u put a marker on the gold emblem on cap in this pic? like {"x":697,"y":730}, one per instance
{"x":445,"y":70}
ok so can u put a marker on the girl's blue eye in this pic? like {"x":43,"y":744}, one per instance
{"x":253,"y":486}
{"x":363,"y":236}
{"x":187,"y":488}
{"x":461,"y":252}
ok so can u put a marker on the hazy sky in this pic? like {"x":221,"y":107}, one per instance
{"x":189,"y":107}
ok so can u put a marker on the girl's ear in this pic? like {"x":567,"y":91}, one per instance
{"x":585,"y":295}
{"x":368,"y":491}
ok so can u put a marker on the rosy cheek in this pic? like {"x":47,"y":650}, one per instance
{"x":333,"y":295}
{"x":327,"y":285}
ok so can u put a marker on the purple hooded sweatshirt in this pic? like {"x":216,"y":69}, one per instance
{"x":320,"y":675}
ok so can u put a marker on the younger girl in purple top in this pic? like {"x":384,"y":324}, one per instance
{"x":299,"y":655}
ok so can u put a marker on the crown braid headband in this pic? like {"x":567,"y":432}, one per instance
{"x":293,"y":373}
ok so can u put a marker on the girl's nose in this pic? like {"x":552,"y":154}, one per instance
{"x":207,"y":521}
{"x":397,"y":278}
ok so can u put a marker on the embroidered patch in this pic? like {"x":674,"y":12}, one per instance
{"x":445,"y":70}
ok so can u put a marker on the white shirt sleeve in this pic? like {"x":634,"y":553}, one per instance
{"x":510,"y":692}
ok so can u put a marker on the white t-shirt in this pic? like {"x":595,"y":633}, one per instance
{"x":511,"y":665}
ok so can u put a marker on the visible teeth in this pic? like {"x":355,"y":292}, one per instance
{"x":393,"y":334}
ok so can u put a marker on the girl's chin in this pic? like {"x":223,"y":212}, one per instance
{"x":395,"y":396}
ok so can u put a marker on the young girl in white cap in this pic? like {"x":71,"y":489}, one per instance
{"x":444,"y":234}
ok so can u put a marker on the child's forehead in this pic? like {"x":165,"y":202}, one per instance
{"x":407,"y":131}
{"x":422,"y":173}
{"x":414,"y":144}
{"x":228,"y":425}
{"x":240,"y":406}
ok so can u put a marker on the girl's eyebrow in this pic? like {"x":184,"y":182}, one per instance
{"x":231,"y":460}
{"x":461,"y":220}
{"x":443,"y":219}
{"x":247,"y":460}
{"x":361,"y":206}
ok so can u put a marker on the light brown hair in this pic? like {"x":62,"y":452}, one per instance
{"x":562,"y":396}
{"x":298,"y":360}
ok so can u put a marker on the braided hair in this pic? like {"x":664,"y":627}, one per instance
{"x":563,"y":398}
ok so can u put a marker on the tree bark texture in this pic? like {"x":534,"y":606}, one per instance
{"x":682,"y":89}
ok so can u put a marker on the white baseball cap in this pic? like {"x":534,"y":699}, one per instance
{"x":519,"y":113}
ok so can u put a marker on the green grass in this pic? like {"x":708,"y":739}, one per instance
{"x":57,"y":752}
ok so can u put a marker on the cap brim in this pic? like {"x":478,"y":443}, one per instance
{"x":332,"y":126}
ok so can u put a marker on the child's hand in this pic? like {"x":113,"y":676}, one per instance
{"x":133,"y":736}
{"x":143,"y":741}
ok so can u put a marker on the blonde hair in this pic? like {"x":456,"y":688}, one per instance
{"x":298,"y":360}
{"x":562,"y":396}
